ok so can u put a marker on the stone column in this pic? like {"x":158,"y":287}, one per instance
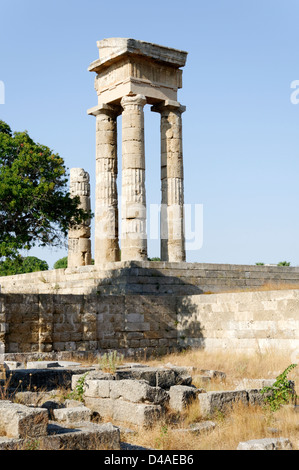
{"x":134,"y":237}
{"x":172,"y":182}
{"x":106,"y":204}
{"x":79,"y":244}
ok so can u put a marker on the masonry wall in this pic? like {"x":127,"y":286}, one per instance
{"x":240,"y":322}
{"x":53,"y":322}
{"x":243,"y":322}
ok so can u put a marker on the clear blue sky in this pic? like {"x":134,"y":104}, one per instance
{"x":240,"y":129}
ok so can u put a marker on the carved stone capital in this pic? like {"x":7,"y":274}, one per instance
{"x":107,"y":109}
{"x":133,"y":101}
{"x":167,"y":106}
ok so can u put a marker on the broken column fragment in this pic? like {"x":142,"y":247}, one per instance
{"x":79,"y":244}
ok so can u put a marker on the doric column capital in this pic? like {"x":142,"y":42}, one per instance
{"x":107,"y":109}
{"x":167,"y":106}
{"x":133,"y":101}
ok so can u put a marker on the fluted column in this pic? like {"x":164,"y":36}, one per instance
{"x":79,"y":244}
{"x":106,"y":204}
{"x":172,"y":182}
{"x":133,"y":238}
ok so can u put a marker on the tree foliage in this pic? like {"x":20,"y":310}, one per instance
{"x":21,"y":265}
{"x":35,"y":205}
{"x":61,"y":263}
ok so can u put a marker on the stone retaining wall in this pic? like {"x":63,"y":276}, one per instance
{"x":50,"y":322}
{"x":131,"y":324}
{"x":246,"y":321}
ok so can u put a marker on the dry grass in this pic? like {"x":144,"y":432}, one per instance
{"x":237,"y":366}
{"x":242,"y":423}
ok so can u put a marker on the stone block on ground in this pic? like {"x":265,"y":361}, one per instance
{"x":214,"y":374}
{"x":254,"y":383}
{"x":280,"y":443}
{"x":140,"y":414}
{"x":180,"y":396}
{"x":36,"y":398}
{"x":211,"y":402}
{"x":137,"y":391}
{"x":20,"y":421}
{"x":155,"y":376}
{"x":198,"y":428}
{"x":72,"y":415}
{"x":42,"y":364}
{"x":81,"y":436}
{"x":11,"y":365}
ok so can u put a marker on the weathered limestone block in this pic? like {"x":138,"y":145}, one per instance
{"x":138,"y":413}
{"x":219,"y":401}
{"x":85,"y":436}
{"x":82,"y":436}
{"x":182,"y":396}
{"x":37,"y":399}
{"x":92,"y":375}
{"x":72,"y":415}
{"x":141,"y":414}
{"x":19,"y":421}
{"x":95,"y":388}
{"x":137,"y":391}
{"x":280,"y":443}
{"x":79,"y":243}
{"x":254,"y":383}
{"x":42,"y":364}
{"x":198,"y":428}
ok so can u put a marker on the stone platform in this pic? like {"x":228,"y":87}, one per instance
{"x":150,"y":277}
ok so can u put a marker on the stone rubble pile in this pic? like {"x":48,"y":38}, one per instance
{"x":133,"y":394}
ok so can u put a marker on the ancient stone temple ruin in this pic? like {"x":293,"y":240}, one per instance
{"x":129,"y":75}
{"x":134,"y":305}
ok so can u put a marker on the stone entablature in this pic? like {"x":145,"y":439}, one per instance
{"x":127,"y":66}
{"x":130,"y":75}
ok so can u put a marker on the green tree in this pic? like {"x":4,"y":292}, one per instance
{"x":61,"y":263}
{"x":35,"y":205}
{"x":284,"y":263}
{"x":21,"y":265}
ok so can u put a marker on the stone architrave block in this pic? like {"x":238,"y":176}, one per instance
{"x":20,"y":421}
{"x":180,"y":396}
{"x":280,"y":443}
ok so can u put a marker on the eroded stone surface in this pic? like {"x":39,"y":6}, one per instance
{"x":20,"y":421}
{"x":280,"y":443}
{"x":79,"y":243}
